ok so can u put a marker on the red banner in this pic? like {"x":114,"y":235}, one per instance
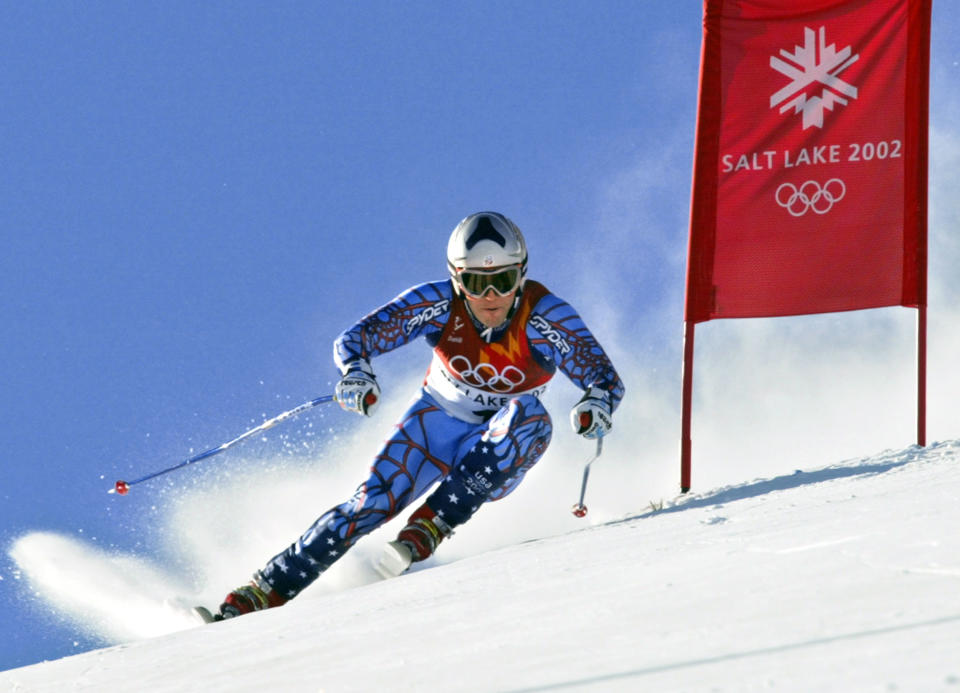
{"x":809,"y":187}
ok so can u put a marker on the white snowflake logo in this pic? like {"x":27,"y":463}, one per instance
{"x":814,"y":62}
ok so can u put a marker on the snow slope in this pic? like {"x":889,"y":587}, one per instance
{"x":840,"y":579}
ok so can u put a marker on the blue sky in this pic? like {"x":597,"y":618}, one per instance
{"x":197,"y":199}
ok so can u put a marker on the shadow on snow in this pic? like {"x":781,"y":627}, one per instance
{"x":762,"y":487}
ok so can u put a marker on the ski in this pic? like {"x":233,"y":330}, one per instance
{"x":394,"y":560}
{"x":204,"y":614}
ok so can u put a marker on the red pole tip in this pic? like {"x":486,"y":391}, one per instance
{"x":580,"y":510}
{"x":122,"y":487}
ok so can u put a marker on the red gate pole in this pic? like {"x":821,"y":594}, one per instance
{"x":922,"y":375}
{"x":687,"y":401}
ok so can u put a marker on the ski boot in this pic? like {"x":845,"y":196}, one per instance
{"x":254,"y":596}
{"x":415,"y":542}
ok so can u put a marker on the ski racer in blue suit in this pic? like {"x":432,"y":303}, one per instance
{"x":477,"y":424}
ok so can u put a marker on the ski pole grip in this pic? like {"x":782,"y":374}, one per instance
{"x":586,"y":418}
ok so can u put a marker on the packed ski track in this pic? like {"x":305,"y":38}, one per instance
{"x":840,"y":578}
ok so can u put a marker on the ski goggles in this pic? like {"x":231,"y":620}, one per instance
{"x":476,"y":283}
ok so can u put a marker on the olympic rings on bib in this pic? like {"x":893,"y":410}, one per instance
{"x":486,"y":375}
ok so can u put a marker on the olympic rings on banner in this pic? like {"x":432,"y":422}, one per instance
{"x":486,"y":375}
{"x":810,"y":196}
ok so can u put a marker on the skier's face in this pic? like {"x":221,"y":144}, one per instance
{"x":491,"y":309}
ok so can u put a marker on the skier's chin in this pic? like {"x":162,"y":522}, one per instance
{"x":491,"y":310}
{"x":492,"y":317}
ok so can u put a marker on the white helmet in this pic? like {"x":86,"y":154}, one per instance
{"x":483,"y":242}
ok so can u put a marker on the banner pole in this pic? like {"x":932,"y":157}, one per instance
{"x":687,"y":401}
{"x":922,"y":375}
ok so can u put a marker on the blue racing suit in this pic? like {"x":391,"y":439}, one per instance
{"x":477,"y":424}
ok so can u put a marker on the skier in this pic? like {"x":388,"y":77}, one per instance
{"x":477,"y":424}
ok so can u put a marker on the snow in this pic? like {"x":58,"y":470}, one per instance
{"x":839,"y":578}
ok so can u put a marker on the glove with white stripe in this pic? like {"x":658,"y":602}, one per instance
{"x":591,"y":417}
{"x":357,"y":390}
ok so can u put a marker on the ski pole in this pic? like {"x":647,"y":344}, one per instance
{"x":123,"y":487}
{"x":580,"y":510}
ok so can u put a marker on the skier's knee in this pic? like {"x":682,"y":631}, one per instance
{"x":525,"y":414}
